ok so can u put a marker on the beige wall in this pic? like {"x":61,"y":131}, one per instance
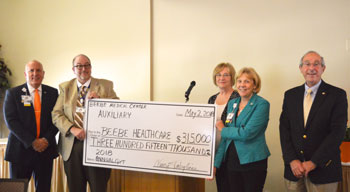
{"x":189,"y":39}
{"x":114,"y":34}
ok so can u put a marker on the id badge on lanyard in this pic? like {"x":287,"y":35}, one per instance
{"x":231,"y":115}
{"x":26,"y":100}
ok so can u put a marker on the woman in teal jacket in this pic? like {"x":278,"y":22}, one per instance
{"x":243,"y":146}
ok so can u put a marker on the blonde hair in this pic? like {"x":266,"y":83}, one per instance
{"x":252,"y":74}
{"x":222,"y":66}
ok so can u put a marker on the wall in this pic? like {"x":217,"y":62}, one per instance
{"x":114,"y":34}
{"x":189,"y":38}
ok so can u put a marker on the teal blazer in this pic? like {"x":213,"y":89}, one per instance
{"x":247,"y":131}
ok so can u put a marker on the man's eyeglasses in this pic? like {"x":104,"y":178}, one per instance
{"x":88,"y":66}
{"x":316,"y":64}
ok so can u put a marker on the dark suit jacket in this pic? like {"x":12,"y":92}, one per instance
{"x":21,"y":122}
{"x":319,"y":141}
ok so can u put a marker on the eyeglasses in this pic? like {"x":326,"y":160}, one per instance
{"x":307,"y":64}
{"x":87,"y":66}
{"x":223,"y":75}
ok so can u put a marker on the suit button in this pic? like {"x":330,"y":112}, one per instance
{"x":302,"y":152}
{"x":304,"y":136}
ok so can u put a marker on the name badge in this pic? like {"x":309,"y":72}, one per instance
{"x":80,"y":110}
{"x":229,"y":117}
{"x":26,"y":100}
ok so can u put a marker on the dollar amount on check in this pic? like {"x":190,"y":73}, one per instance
{"x":166,"y":138}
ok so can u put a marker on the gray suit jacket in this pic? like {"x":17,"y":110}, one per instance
{"x":63,"y":112}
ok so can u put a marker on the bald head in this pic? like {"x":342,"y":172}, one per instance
{"x":34,"y":73}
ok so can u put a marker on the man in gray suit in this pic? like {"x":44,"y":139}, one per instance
{"x":67,"y":115}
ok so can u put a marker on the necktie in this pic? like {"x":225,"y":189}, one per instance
{"x":37,"y":110}
{"x":307,"y":105}
{"x":79,"y":114}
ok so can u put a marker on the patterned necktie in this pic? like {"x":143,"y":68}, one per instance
{"x":307,"y":105}
{"x":37,"y":110}
{"x":79,"y":115}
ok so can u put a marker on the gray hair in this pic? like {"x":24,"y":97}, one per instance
{"x":301,"y":60}
{"x":79,"y":56}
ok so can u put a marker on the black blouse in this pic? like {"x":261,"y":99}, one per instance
{"x":212,"y":99}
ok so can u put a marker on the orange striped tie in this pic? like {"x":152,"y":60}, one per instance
{"x":37,"y":109}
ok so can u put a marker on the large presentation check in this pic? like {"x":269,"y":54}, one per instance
{"x":166,"y":138}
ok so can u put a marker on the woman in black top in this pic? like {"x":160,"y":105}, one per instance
{"x":224,"y":79}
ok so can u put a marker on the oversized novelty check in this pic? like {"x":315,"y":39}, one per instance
{"x":166,"y":138}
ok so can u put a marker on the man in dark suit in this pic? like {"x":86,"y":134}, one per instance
{"x":31,"y":145}
{"x":312,"y":127}
{"x":67,"y":115}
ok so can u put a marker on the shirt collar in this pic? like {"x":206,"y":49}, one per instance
{"x":32,"y":89}
{"x":86,"y":84}
{"x":313,"y":88}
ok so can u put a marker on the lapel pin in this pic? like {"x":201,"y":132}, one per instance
{"x":251,"y":103}
{"x":24,"y":89}
{"x":323,"y":93}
